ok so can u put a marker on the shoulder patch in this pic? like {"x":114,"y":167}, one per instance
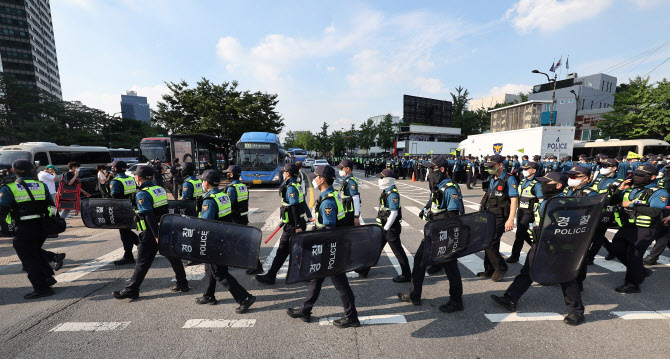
{"x":514,"y":186}
{"x":140,"y":200}
{"x":454,"y":195}
{"x":663,"y":198}
{"x":328,"y":211}
{"x":395,"y":199}
{"x":205,"y":207}
{"x":292,"y":194}
{"x":353,"y":186}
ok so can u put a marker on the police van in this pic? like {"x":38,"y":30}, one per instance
{"x":48,"y":153}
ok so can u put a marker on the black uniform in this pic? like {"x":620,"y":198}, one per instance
{"x":128,"y":237}
{"x":497,"y":200}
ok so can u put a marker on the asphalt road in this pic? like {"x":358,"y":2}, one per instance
{"x":83,"y":321}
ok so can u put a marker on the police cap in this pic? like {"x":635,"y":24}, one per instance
{"x":436,"y":161}
{"x":554,"y":176}
{"x":211,"y":176}
{"x":646,"y":170}
{"x":291,"y":168}
{"x":345,"y":163}
{"x":233,"y":169}
{"x":145,"y":171}
{"x":325,"y":171}
{"x":493,"y":160}
{"x":386,"y":173}
{"x":578,"y":171}
{"x":118,"y":164}
{"x":23,"y":166}
{"x":533,"y":165}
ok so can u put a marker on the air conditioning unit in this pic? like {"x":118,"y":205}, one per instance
{"x":572,"y":75}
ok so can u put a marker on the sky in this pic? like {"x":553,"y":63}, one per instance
{"x":342,"y":62}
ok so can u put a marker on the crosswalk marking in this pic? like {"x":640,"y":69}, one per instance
{"x":90,"y":326}
{"x":661,"y":314}
{"x":219,"y":323}
{"x":473,"y":263}
{"x":371,"y":320}
{"x":662,"y":260}
{"x":506,"y":249}
{"x":522,"y":317}
{"x":272,"y":222}
{"x":86,"y":268}
{"x":614,"y":266}
{"x":196,"y":272}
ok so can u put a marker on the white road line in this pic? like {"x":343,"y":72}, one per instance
{"x":522,"y":317}
{"x":219,"y":323}
{"x":90,"y":326}
{"x":472,"y":206}
{"x":272,"y":222}
{"x":662,"y":260}
{"x":410,"y":198}
{"x":251,"y":211}
{"x":473,"y":263}
{"x":661,"y":314}
{"x":196,"y":272}
{"x":263,"y":190}
{"x":371,"y":320}
{"x":86,"y":268}
{"x":613,"y":265}
{"x":506,"y":250}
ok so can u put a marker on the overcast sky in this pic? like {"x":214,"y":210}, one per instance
{"x":344,"y":61}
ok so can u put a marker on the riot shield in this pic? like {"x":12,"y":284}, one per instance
{"x":107,"y":213}
{"x":209,"y":241}
{"x":567,"y":228}
{"x":186,"y":208}
{"x":454,"y":237}
{"x":324,"y":253}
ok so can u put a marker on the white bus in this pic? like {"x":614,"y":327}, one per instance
{"x":613,"y":148}
{"x":48,"y":153}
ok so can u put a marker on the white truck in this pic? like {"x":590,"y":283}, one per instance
{"x":543,"y":141}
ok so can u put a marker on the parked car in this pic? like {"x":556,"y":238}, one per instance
{"x":308,"y":163}
{"x":319,"y":163}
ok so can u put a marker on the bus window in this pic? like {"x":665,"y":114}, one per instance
{"x":98,"y":157}
{"x":578,"y":151}
{"x":80,"y":157}
{"x":42,"y":158}
{"x":623,"y":150}
{"x":657,"y":150}
{"x":59,"y":158}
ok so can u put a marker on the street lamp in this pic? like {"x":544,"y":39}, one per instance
{"x":553,"y":95}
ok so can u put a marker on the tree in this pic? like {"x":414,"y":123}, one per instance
{"x":470,"y":122}
{"x":351,"y":137}
{"x":305,"y":140}
{"x":639,"y":111}
{"x":218,"y":110}
{"x":386,"y":132}
{"x":367,"y":134}
{"x":338,"y":142}
{"x":291,"y":140}
{"x":322,"y":143}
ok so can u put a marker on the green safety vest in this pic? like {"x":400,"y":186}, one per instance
{"x":638,"y":220}
{"x":350,"y":203}
{"x":242,"y":192}
{"x":437,"y":199}
{"x":160,"y":199}
{"x":527,"y":198}
{"x":129,"y":185}
{"x":22,"y":198}
{"x":197,"y":187}
{"x":222,"y":203}
{"x":384,"y":211}
{"x":532,"y":230}
{"x":285,"y":205}
{"x":318,"y":223}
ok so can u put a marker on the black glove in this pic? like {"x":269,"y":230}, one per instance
{"x":421,"y":214}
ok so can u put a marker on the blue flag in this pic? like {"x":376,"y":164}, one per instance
{"x":552,"y":68}
{"x":567,"y":63}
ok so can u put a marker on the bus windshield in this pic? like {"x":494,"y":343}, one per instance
{"x":657,"y":150}
{"x":258,"y":159}
{"x":8,"y":157}
{"x":154,"y":149}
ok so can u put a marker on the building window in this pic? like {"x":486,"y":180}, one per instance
{"x":592,"y":105}
{"x":583,"y":103}
{"x":562,"y":102}
{"x":570,"y":100}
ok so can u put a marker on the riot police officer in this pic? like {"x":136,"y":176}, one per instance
{"x":605,"y":182}
{"x":122,"y":187}
{"x":501,"y":199}
{"x":151,"y":205}
{"x":192,"y":187}
{"x":292,"y":214}
{"x":329,"y":213}
{"x":553,"y":183}
{"x":28,"y":201}
{"x":389,"y":217}
{"x":531,"y":192}
{"x":641,"y":204}
{"x":445,"y":201}
{"x":216,"y":205}
{"x":662,"y":233}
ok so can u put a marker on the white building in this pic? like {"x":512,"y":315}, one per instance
{"x":491,"y":101}
{"x":423,"y":140}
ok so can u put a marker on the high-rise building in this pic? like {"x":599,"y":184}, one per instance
{"x":135,"y":107}
{"x":27,"y":45}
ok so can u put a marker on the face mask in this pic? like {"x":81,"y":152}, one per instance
{"x":549,"y":190}
{"x":342,"y":173}
{"x":314,"y":184}
{"x":641,"y":181}
{"x":605,"y":171}
{"x":437,"y":176}
{"x":385,"y":182}
{"x":492,"y":170}
{"x":525,"y":173}
{"x":574,"y":182}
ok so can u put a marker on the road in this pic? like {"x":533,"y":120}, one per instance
{"x":83,"y":321}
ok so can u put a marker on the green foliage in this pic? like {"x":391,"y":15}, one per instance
{"x":386,"y":132}
{"x":470,"y":122}
{"x":29,"y":114}
{"x":323,"y":143}
{"x":339,"y":144}
{"x":641,"y":110}
{"x":217,"y":110}
{"x":367,"y":135}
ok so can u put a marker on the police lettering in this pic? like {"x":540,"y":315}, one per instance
{"x":186,"y":248}
{"x":557,"y":146}
{"x":570,"y":231}
{"x":111,"y":215}
{"x":333,"y":250}
{"x":314,"y":267}
{"x":203,"y":242}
